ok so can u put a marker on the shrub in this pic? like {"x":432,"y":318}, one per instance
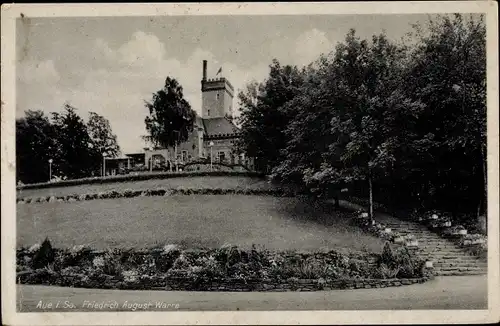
{"x":359,"y":267}
{"x":399,"y":263}
{"x":385,"y":272}
{"x":44,"y":256}
{"x":228,"y":255}
{"x":229,"y":262}
{"x":108,"y":263}
{"x":167,"y":257}
{"x":113,"y":194}
{"x":74,"y":256}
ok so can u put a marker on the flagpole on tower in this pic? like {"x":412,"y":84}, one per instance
{"x":219,"y":71}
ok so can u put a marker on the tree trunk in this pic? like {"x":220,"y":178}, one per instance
{"x":370,"y":188}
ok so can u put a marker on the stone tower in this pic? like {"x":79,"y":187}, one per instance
{"x":216,"y":96}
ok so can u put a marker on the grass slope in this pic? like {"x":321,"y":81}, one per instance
{"x":192,"y":221}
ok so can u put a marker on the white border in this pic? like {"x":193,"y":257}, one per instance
{"x":10,"y":12}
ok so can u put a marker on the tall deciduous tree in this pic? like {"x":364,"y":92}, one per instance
{"x":263,"y":116}
{"x":101,"y":135}
{"x":170,"y":118}
{"x":405,"y":120}
{"x":365,"y":108}
{"x":449,"y":75}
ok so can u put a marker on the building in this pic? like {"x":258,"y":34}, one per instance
{"x":214,"y":133}
{"x":118,"y":165}
{"x":213,"y":137}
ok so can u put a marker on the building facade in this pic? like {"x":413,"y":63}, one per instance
{"x":214,"y":134}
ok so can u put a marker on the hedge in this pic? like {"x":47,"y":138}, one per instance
{"x":138,"y":177}
{"x":129,"y":193}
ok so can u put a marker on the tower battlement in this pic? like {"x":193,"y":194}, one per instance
{"x":213,"y":84}
{"x":217,"y":96}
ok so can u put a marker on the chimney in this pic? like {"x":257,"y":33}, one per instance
{"x":204,"y":70}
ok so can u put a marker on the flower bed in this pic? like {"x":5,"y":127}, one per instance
{"x":225,"y":269}
{"x":129,"y":193}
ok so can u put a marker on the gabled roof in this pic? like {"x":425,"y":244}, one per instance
{"x":219,"y":127}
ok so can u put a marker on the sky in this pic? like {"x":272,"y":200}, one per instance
{"x":111,"y":65}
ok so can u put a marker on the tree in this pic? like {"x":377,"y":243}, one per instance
{"x":170,"y":118}
{"x":449,"y":75}
{"x":348,"y":117}
{"x":35,"y":145}
{"x":407,"y":121}
{"x":264,"y":117}
{"x":308,"y":133}
{"x":76,"y":156}
{"x":101,"y":135}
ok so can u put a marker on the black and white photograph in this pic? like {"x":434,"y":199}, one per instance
{"x":250,"y":159}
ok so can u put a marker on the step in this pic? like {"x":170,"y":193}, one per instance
{"x":442,"y":251}
{"x":454,"y":273}
{"x":455,"y":261}
{"x":445,"y":259}
{"x":410,"y":230}
{"x":428,"y":246}
{"x":437,"y":241}
{"x":464,"y":265}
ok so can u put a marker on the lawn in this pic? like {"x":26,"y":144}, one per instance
{"x":187,"y":182}
{"x":192,"y":221}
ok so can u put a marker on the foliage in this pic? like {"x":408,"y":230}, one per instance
{"x":44,"y":255}
{"x":101,"y":135}
{"x":170,"y":116}
{"x":448,"y":74}
{"x":263,"y":118}
{"x":228,"y":262}
{"x":74,"y":147}
{"x":36,"y":143}
{"x":75,"y":156}
{"x":395,"y":121}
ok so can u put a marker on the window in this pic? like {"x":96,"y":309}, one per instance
{"x":184,"y":156}
{"x":222,"y":156}
{"x":218,"y":95}
{"x":208,"y":112}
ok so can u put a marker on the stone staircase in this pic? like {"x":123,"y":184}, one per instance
{"x":447,"y":257}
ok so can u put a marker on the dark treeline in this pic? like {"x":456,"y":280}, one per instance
{"x":402,"y":122}
{"x":76,"y":148}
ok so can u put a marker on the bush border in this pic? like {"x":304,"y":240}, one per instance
{"x":42,"y":264}
{"x":130,"y":193}
{"x":138,"y":177}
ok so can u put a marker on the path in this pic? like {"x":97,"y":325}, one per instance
{"x":453,"y":292}
{"x":447,"y":256}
